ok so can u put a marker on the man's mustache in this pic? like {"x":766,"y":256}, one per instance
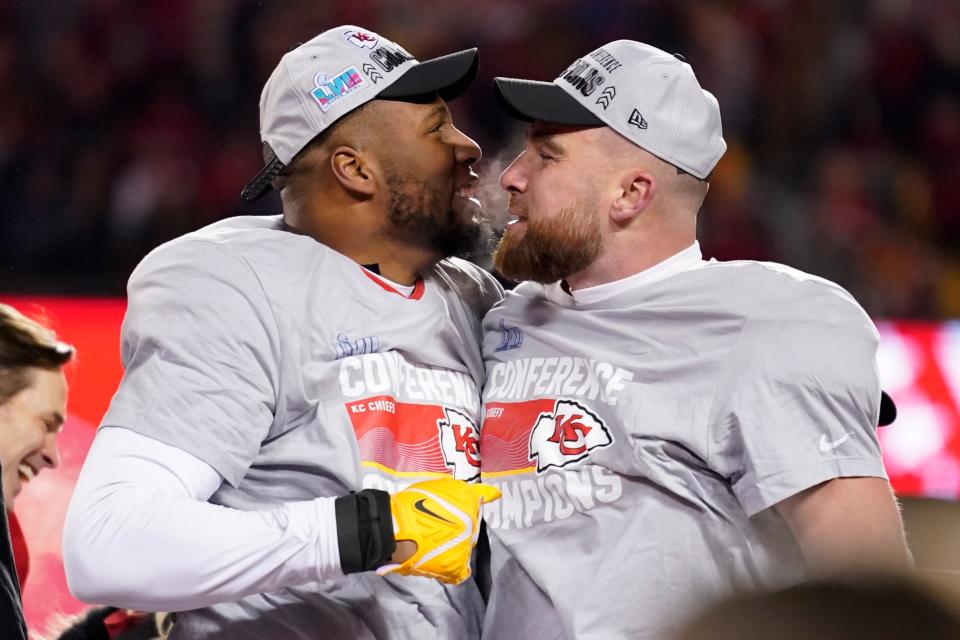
{"x":514,"y":207}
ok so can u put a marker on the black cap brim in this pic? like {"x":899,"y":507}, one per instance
{"x":448,"y":76}
{"x":530,"y":100}
{"x":888,"y":410}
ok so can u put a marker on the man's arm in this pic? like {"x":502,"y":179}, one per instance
{"x":848,"y":523}
{"x":139,"y":533}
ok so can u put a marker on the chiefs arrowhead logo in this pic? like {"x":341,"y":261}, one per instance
{"x":460,"y":443}
{"x":566,"y":435}
{"x":361,"y":38}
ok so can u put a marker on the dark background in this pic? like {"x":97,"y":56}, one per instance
{"x":124,"y":124}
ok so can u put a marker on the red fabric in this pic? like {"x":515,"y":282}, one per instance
{"x":121,"y":620}
{"x":20,"y":552}
{"x":416,"y":294}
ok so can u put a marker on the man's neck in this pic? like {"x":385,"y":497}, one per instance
{"x":624,"y":260}
{"x":358,"y":238}
{"x":400,"y":264}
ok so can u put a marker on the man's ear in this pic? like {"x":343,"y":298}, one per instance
{"x":354,"y":170}
{"x":636,"y":191}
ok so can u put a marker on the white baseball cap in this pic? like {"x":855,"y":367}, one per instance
{"x":325,"y":78}
{"x":648,"y":96}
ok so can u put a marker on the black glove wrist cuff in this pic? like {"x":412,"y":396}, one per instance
{"x":364,"y":530}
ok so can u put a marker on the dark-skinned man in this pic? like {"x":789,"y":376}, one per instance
{"x":299,"y":410}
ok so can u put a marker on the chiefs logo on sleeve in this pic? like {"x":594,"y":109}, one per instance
{"x":565,"y":435}
{"x":460,"y":444}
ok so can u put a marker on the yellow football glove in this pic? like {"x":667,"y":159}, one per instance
{"x":443,"y":518}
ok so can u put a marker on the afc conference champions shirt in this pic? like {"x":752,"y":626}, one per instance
{"x":641,"y":430}
{"x":295,"y":373}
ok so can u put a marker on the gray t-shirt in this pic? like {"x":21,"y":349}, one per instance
{"x":295,"y":373}
{"x":640,"y":441}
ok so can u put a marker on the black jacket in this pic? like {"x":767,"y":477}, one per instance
{"x":12,"y":624}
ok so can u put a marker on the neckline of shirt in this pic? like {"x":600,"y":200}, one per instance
{"x":407,"y":291}
{"x":689,"y":258}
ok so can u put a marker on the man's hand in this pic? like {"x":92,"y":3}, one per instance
{"x":442,"y":518}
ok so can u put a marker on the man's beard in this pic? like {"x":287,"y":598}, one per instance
{"x":551,"y":249}
{"x":423,"y":216}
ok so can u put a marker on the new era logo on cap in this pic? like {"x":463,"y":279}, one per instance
{"x":648,"y":96}
{"x":636,"y":119}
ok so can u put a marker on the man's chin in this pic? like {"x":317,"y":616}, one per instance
{"x":549,"y":250}
{"x":529,"y":255}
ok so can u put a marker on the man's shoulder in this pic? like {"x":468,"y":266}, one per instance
{"x":468,"y":281}
{"x":463,"y":271}
{"x":235,"y":232}
{"x":772,"y":273}
{"x":526,"y":295}
{"x":773,"y":292}
{"x":226,"y":245}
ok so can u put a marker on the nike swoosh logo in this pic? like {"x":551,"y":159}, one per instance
{"x":830,"y":445}
{"x":419,"y":506}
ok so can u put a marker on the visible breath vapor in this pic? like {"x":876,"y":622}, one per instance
{"x":491,"y":194}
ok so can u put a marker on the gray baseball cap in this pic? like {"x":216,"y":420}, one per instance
{"x":648,"y":96}
{"x":325,"y":78}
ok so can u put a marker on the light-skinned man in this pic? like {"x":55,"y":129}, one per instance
{"x":33,"y":408}
{"x":663,"y":428}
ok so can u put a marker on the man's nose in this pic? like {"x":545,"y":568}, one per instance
{"x":467,"y":151}
{"x":513,"y":178}
{"x":50,"y":453}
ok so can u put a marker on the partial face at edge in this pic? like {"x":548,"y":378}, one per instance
{"x":30,"y":422}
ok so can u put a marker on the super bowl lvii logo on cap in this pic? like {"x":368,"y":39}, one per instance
{"x":327,"y":92}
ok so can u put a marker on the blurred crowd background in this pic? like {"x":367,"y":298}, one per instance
{"x":124,"y":123}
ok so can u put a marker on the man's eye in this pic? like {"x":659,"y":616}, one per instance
{"x":436,"y":127}
{"x":546,"y":156}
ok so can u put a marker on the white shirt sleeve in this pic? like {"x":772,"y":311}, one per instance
{"x":139,"y":533}
{"x":800,"y":398}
